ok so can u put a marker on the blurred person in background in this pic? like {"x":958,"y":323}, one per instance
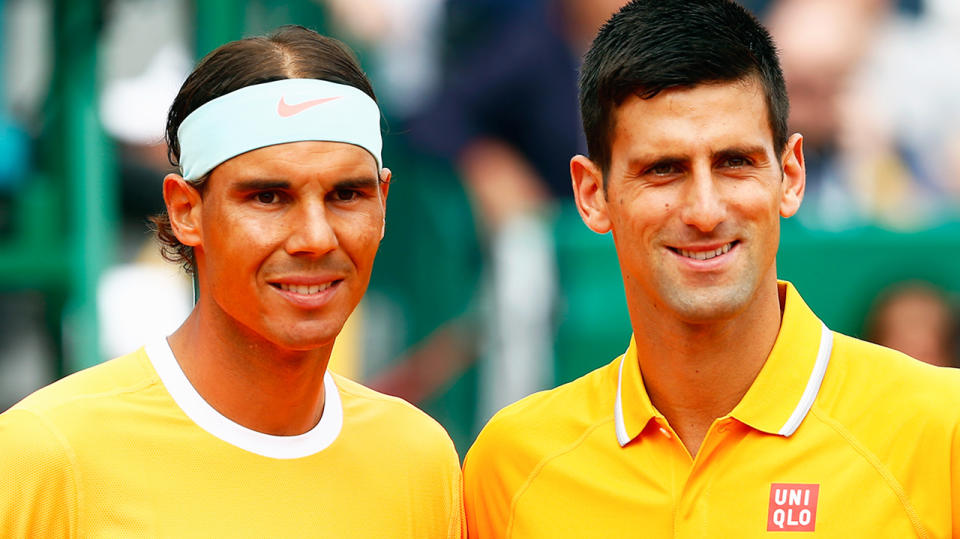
{"x":878,"y":143}
{"x":917,"y":319}
{"x":505,"y":114}
{"x":734,"y":410}
{"x":233,"y":425}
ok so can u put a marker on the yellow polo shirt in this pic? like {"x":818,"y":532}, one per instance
{"x":835,"y":438}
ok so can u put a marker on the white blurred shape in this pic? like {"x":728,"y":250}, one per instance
{"x":138,"y":302}
{"x":134,"y":110}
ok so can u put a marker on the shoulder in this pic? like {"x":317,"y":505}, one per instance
{"x":876,"y":376}
{"x":51,"y":423}
{"x":74,"y":393}
{"x":883,"y":399}
{"x":392,"y":418}
{"x":523,"y":437}
{"x":543,"y":424}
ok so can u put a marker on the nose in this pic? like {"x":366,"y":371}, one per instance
{"x":703,"y":205}
{"x":311,"y":232}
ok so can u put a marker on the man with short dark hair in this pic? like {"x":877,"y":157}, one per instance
{"x":734,"y":411}
{"x":232,"y":426}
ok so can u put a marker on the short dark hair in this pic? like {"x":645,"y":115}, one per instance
{"x":291,"y":52}
{"x":649,"y":46}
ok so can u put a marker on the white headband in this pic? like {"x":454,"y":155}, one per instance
{"x":288,"y":110}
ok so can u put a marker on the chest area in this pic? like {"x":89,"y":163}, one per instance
{"x":743,"y":485}
{"x":192,"y":485}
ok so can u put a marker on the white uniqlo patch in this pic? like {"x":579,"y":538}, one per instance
{"x":793,"y":507}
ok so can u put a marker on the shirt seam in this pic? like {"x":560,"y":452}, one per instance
{"x":542,"y":464}
{"x":39,"y":409}
{"x":888,"y":477}
{"x":72,"y":471}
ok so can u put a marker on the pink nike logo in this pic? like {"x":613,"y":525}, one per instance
{"x":285,"y":110}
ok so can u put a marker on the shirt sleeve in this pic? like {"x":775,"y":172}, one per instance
{"x":458,"y":522}
{"x":39,"y":494}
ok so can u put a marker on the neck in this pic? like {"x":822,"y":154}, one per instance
{"x":248,"y":379}
{"x":696,"y":373}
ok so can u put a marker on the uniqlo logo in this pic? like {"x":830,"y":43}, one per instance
{"x":793,"y":507}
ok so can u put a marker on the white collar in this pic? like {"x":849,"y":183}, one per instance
{"x":207,"y":418}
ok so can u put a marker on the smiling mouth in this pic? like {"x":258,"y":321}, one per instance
{"x":705,"y":255}
{"x":302,"y":289}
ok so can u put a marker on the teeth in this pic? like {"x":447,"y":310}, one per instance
{"x":305,"y":289}
{"x":705,"y":255}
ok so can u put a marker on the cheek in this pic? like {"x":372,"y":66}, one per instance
{"x":646,"y":215}
{"x":361,"y":239}
{"x":240,"y":239}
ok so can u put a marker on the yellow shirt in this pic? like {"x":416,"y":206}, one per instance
{"x":836,"y":438}
{"x":130,"y":449}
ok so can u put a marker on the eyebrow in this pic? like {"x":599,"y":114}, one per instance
{"x":365,"y":182}
{"x":740,"y":150}
{"x":260,"y":185}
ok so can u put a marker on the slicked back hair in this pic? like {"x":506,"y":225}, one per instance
{"x":650,"y":46}
{"x":291,"y":52}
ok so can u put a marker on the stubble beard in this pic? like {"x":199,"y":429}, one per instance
{"x":703,"y":304}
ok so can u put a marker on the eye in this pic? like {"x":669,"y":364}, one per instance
{"x":663,"y":169}
{"x":736,"y":162}
{"x":267,"y":197}
{"x":346,"y":195}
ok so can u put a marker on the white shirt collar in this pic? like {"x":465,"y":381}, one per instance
{"x":209,"y":419}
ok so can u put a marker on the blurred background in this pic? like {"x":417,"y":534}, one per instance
{"x":487,"y":286}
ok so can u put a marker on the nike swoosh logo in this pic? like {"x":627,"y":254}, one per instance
{"x":285,"y":110}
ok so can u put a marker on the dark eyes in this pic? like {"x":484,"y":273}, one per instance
{"x":346,"y":195}
{"x":663,"y":169}
{"x":736,"y":162}
{"x":274,"y":197}
{"x":267,"y":197}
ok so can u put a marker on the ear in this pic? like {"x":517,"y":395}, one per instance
{"x":794,"y":176}
{"x":183,"y":208}
{"x":385,"y":176}
{"x":588,"y":193}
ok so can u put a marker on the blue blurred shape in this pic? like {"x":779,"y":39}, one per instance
{"x":14,"y":154}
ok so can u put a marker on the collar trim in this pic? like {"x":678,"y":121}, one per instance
{"x":813,"y":383}
{"x":622,"y":437}
{"x":799,"y":316}
{"x":209,"y":419}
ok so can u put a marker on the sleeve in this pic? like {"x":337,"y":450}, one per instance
{"x":39,"y":494}
{"x":458,"y":522}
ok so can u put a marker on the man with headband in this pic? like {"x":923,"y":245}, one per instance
{"x":232,"y":426}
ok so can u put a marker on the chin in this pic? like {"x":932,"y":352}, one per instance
{"x":713,"y":304}
{"x":306,"y":339}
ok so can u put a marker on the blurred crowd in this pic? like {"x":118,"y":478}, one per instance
{"x":483,"y":94}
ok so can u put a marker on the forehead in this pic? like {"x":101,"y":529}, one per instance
{"x":686,"y":119}
{"x":307,"y":160}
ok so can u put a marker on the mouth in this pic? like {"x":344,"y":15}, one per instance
{"x":705,"y":254}
{"x":304,"y":289}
